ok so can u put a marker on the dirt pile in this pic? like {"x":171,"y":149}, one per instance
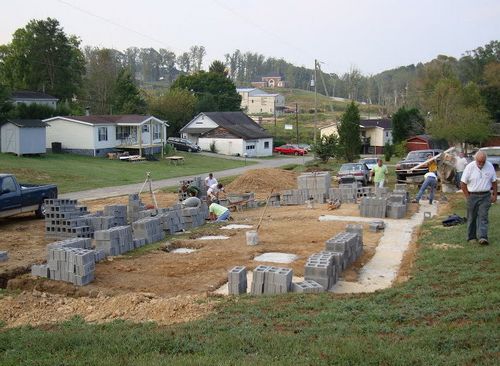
{"x":36,"y":308}
{"x":263,"y":180}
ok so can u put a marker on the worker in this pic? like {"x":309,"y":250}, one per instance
{"x":429,"y":182}
{"x":432,"y":165}
{"x":210,"y":181}
{"x":218,"y":212}
{"x":379,"y":172}
{"x":191,"y":190}
{"x":214,"y":191}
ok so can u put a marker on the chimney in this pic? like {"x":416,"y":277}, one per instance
{"x":87,"y":111}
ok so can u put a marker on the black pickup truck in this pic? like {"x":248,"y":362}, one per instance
{"x":16,"y":198}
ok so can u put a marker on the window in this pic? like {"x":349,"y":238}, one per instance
{"x":145,"y":128}
{"x":103,"y":133}
{"x":250,"y":147}
{"x":156,"y":132}
{"x":8,"y":185}
{"x":266,"y":144}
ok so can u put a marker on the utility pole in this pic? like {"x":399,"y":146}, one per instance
{"x":297,"y":121}
{"x":274,"y":109}
{"x":315,"y":100}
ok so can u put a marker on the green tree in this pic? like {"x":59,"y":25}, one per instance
{"x":127,"y":98}
{"x":405,"y":123}
{"x":42,"y":57}
{"x":326,"y":148}
{"x":490,"y":89}
{"x":349,"y":133}
{"x":218,"y":67}
{"x":5,"y":103}
{"x":458,"y":114}
{"x":214,"y":84}
{"x":177,"y":107}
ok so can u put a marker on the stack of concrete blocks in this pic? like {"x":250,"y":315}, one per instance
{"x":294,"y":196}
{"x":317,"y":185}
{"x":364,"y":192}
{"x":118,"y":212}
{"x":193,"y":217}
{"x":116,"y":240}
{"x":149,"y":228}
{"x":171,"y":219}
{"x":307,"y":287}
{"x":348,"y":245}
{"x":275,"y":200}
{"x":271,"y":280}
{"x":322,"y":268}
{"x":134,"y":207}
{"x":397,"y":203}
{"x":196,"y":182}
{"x":237,"y":280}
{"x":346,"y":193}
{"x":63,"y":219}
{"x":373,"y":207}
{"x":3,"y":256}
{"x":357,"y":229}
{"x":380,"y":192}
{"x":69,"y":260}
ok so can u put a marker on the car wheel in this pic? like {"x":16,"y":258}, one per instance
{"x":399,"y":178}
{"x":296,"y":153}
{"x":189,"y":149}
{"x":41,"y":211}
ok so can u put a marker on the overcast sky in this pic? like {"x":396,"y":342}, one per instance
{"x":371,"y":35}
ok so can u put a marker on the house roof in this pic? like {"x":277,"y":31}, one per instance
{"x":108,"y":119}
{"x":384,"y":123}
{"x":238,"y":123}
{"x":28,"y":95}
{"x":27,"y":123}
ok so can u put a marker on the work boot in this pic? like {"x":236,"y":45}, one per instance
{"x":483,"y":241}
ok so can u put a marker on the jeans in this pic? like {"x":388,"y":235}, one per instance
{"x":224,"y":216}
{"x":428,"y":182}
{"x":379,"y":184}
{"x":478,"y":206}
{"x":458,"y":178}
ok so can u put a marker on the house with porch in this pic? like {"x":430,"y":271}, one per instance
{"x":96,"y":135}
{"x":233,"y":133}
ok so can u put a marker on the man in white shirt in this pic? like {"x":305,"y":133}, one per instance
{"x":210,"y":181}
{"x":479,"y":184}
{"x":213,"y":192}
{"x":460,"y":164}
{"x":429,"y":182}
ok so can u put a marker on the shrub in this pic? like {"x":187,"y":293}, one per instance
{"x":213,"y":148}
{"x":400,"y":149}
{"x":168,"y":149}
{"x":388,"y":151}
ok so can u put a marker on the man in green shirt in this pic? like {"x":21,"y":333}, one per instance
{"x":379,"y":172}
{"x":218,"y":212}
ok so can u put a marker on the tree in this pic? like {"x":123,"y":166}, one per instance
{"x":326,"y":148}
{"x":208,"y":85}
{"x":43,"y":58}
{"x":177,"y":107}
{"x":490,"y":89}
{"x":218,"y":67}
{"x":349,"y":133}
{"x":5,"y":103}
{"x":458,"y":114}
{"x":126,"y":96}
{"x":405,"y":123}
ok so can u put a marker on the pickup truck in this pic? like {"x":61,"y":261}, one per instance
{"x":16,"y":198}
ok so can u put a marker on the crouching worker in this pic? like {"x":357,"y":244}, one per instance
{"x":218,"y":212}
{"x":192,"y":202}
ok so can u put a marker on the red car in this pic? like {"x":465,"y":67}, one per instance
{"x":290,"y":150}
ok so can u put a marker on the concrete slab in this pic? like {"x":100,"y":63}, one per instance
{"x":236,"y":226}
{"x":381,"y":270}
{"x":183,"y":251}
{"x":276,"y":257}
{"x":213,"y":237}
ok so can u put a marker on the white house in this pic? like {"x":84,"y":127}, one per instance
{"x":98,"y":135}
{"x":257,"y":101}
{"x":234,"y":133}
{"x":32,"y":97}
{"x":22,"y":136}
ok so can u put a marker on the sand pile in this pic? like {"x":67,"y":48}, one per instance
{"x":263,"y":180}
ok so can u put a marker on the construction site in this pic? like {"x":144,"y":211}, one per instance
{"x":146,"y":257}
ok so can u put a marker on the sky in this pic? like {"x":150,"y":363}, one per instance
{"x":372,"y":36}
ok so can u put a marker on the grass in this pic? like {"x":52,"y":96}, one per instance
{"x":446,"y":314}
{"x":75,"y":172}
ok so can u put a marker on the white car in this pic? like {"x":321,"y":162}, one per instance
{"x":370,"y":162}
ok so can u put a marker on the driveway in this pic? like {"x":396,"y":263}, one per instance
{"x":135,"y":188}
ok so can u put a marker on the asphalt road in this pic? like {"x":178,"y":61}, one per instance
{"x":135,"y":188}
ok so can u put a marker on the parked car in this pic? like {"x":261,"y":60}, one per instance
{"x":306,"y":147}
{"x":183,"y":144}
{"x":370,"y":162}
{"x":289,"y":149}
{"x":17,"y":198}
{"x":414,"y":158}
{"x":493,"y":153}
{"x":358,"y":171}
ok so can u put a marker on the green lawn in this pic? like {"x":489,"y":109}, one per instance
{"x":447,"y":313}
{"x":74,"y":173}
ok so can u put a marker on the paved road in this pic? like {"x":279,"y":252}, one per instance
{"x":134,"y":188}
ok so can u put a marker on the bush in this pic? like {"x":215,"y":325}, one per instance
{"x":388,"y":151}
{"x":168,"y":149}
{"x":400,"y":149}
{"x":213,"y":148}
{"x":326,"y":148}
